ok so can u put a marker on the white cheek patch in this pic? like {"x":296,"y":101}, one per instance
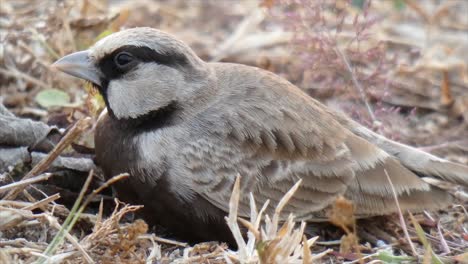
{"x":147,"y":88}
{"x":124,"y":101}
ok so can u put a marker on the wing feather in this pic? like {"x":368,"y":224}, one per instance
{"x":272,"y":134}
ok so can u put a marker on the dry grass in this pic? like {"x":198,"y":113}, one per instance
{"x":269,"y":240}
{"x":378,"y":64}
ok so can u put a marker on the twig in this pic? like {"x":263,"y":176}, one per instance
{"x":400,"y":215}
{"x":446,"y":98}
{"x":254,"y":18}
{"x":357,"y":85}
{"x":155,"y":253}
{"x":321,"y":255}
{"x":15,"y":204}
{"x":329,"y":243}
{"x":203,"y":258}
{"x":24,"y":182}
{"x":32,"y":111}
{"x":21,"y":242}
{"x":42,"y":202}
{"x":66,"y":27}
{"x":23,"y":250}
{"x":418,"y":9}
{"x":102,"y":187}
{"x":453,"y":246}
{"x":17,"y":74}
{"x":455,"y":144}
{"x":443,"y":242}
{"x":28,"y":50}
{"x":75,"y":131}
{"x":49,"y":49}
{"x":163,"y":240}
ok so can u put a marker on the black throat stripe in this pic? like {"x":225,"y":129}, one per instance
{"x":156,"y":119}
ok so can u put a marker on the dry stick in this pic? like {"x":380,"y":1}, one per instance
{"x":98,"y":222}
{"x":33,"y":200}
{"x":400,"y":215}
{"x":155,"y":254}
{"x":42,"y":202}
{"x":446,"y":98}
{"x":204,"y":258}
{"x":28,"y":50}
{"x":19,"y":75}
{"x":418,"y":9}
{"x":162,"y":240}
{"x":75,"y":131}
{"x":253,"y":19}
{"x":50,"y":50}
{"x":20,"y":242}
{"x":30,"y":198}
{"x":357,"y":85}
{"x":443,"y":242}
{"x":24,"y":182}
{"x":102,"y":187}
{"x":455,"y":143}
{"x":14,"y":204}
{"x":66,"y":25}
{"x":453,"y":246}
{"x":462,"y":207}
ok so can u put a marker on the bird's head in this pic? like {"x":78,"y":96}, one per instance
{"x":139,"y":71}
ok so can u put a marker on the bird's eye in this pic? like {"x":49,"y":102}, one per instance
{"x":123,"y":59}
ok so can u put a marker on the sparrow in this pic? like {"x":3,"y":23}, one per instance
{"x":184,"y":129}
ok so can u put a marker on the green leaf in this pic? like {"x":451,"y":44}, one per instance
{"x":399,"y":4}
{"x":435,"y":258}
{"x":53,"y":97}
{"x":387,"y":257}
{"x":104,"y":34}
{"x":358,"y":3}
{"x":419,"y":231}
{"x":422,"y":237}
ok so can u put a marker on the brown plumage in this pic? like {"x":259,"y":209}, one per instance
{"x":184,"y":129}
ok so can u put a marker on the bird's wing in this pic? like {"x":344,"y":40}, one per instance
{"x":272,"y":134}
{"x":271,"y":148}
{"x":414,"y":159}
{"x":419,"y":162}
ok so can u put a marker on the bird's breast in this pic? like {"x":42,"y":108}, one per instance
{"x":120,"y":149}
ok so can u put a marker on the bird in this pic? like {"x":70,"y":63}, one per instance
{"x":185,"y":129}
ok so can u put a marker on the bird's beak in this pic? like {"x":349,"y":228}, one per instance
{"x":79,"y":64}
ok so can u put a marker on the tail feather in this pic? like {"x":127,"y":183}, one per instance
{"x":416,"y":201}
{"x":416,"y":160}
